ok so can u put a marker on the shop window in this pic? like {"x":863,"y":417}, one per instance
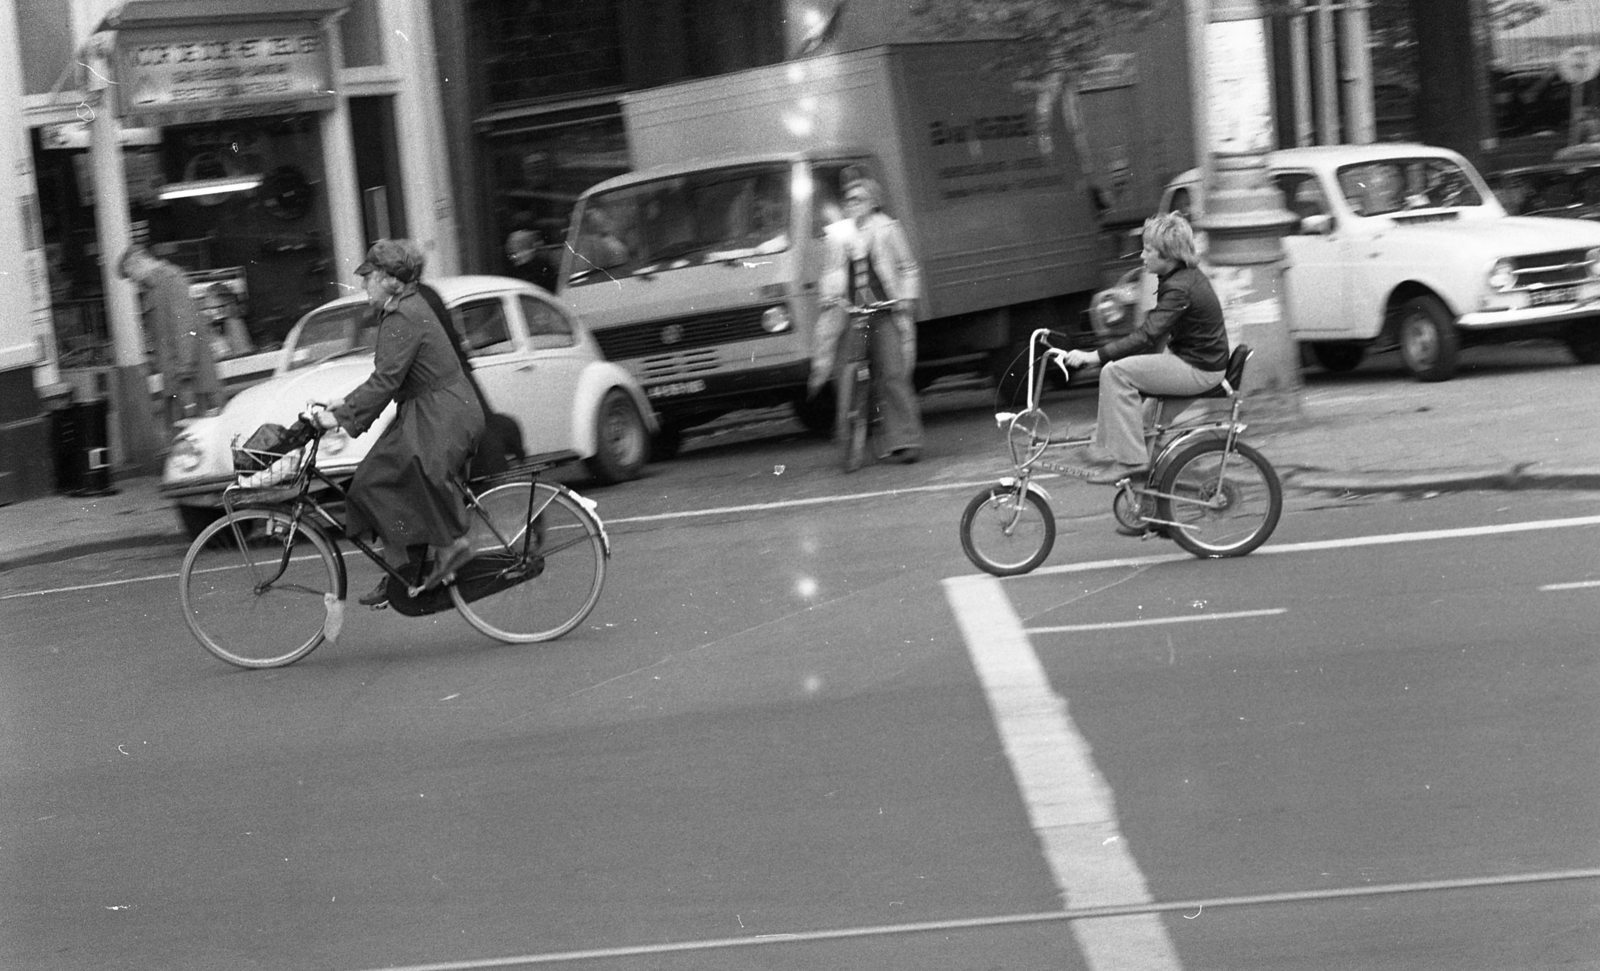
{"x":483,"y":327}
{"x":548,"y":327}
{"x":537,"y":175}
{"x":534,"y":50}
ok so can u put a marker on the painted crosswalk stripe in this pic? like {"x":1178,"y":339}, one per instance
{"x":1153,"y":621}
{"x":1069,"y":803}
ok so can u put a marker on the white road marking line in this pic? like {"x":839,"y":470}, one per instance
{"x":1003,"y":920}
{"x":797,"y":503}
{"x":1069,"y":803}
{"x":1151,"y":621}
{"x":1350,"y":542}
{"x":1577,"y":585}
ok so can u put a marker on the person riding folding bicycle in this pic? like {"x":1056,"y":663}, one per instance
{"x":1180,"y":349}
{"x":402,"y":490}
{"x":870,"y":261}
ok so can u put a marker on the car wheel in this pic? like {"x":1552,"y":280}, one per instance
{"x":624,"y":442}
{"x":1584,"y":343}
{"x":1429,"y":342}
{"x":196,"y":518}
{"x":1338,"y":356}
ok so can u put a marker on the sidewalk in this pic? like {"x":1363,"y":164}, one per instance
{"x":1523,"y":418}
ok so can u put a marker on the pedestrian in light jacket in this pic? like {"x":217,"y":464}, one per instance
{"x":870,"y":260}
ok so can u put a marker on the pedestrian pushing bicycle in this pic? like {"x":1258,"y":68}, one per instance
{"x":874,"y":278}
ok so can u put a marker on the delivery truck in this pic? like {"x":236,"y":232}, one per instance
{"x":699,"y":270}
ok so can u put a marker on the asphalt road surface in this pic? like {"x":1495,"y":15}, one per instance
{"x":799,"y":732}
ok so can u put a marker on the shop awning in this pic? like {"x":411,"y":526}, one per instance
{"x":154,"y":13}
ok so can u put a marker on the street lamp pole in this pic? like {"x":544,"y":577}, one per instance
{"x":1245,"y":219}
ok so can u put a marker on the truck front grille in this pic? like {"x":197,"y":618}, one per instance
{"x":680,"y":333}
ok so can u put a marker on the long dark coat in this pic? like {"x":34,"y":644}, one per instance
{"x":403,"y":490}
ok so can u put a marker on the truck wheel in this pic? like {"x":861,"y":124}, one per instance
{"x":817,"y":412}
{"x":623,"y":441}
{"x":1429,"y":341}
{"x":1338,"y":356}
{"x":1584,"y":343}
{"x":667,"y":443}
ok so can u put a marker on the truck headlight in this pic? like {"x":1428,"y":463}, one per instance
{"x":1503,"y":277}
{"x":1593,"y":256}
{"x":185,"y":456}
{"x":776,"y":320}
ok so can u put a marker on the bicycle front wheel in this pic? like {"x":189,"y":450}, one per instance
{"x":1007,"y":530}
{"x":261,"y":591}
{"x":1224,"y":503}
{"x":549,"y":550}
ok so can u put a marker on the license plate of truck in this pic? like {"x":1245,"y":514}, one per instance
{"x":1559,"y":295}
{"x":673,"y":389}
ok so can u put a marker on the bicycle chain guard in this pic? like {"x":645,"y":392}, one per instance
{"x":483,"y":575}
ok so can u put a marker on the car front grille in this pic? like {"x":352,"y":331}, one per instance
{"x":1555,"y":269}
{"x":681,"y":333}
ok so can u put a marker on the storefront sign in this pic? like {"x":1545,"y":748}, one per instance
{"x":182,"y":75}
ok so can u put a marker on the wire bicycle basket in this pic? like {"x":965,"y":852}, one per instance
{"x":272,"y":458}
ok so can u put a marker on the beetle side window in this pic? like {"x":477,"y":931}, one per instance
{"x":547,"y":327}
{"x":483,"y":327}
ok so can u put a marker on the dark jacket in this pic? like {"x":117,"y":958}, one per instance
{"x":1186,"y":320}
{"x":402,"y":490}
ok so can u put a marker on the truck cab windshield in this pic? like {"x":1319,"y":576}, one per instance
{"x":721,"y":215}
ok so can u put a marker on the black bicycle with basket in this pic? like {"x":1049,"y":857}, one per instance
{"x":266,"y":583}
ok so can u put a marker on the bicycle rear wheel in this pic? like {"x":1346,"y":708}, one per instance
{"x":260,"y":591}
{"x":1225,"y":504}
{"x":855,"y":430}
{"x":552,"y":549}
{"x":1007,"y":531}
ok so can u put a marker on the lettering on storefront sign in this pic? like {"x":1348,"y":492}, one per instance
{"x":199,"y":73}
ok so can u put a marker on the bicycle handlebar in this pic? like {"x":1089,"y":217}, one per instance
{"x":876,"y":307}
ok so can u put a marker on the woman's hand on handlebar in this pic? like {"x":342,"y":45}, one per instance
{"x":322,"y":414}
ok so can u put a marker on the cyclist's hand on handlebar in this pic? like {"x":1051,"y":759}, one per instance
{"x":322,"y":414}
{"x":1077,"y":358}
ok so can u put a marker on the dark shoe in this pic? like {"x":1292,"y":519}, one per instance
{"x":446,"y":562}
{"x":1117,"y":471}
{"x":379,"y":595}
{"x":1131,"y":530}
{"x":906,"y":456}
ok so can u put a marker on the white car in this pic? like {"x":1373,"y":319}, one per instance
{"x":1405,"y":245}
{"x":533,"y":358}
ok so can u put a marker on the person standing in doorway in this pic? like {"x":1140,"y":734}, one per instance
{"x":179,"y":332}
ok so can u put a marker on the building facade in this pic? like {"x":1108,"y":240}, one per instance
{"x":258,"y":144}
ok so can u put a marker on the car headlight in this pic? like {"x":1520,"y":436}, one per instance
{"x":776,"y":320}
{"x":186,"y":455}
{"x":333,"y":442}
{"x":1503,"y":277}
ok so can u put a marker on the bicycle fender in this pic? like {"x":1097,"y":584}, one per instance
{"x":1010,"y":482}
{"x":1158,"y":468}
{"x":593,"y":509}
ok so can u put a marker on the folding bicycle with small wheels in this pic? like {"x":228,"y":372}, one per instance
{"x":1210,"y":492}
{"x":265,"y":584}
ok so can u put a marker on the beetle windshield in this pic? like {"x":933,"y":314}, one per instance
{"x":687,"y":220}
{"x":1395,"y":185}
{"x":346,"y":329}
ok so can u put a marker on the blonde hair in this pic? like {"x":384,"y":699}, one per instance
{"x":1171,"y":237}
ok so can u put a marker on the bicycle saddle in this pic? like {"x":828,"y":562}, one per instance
{"x":1232,"y":378}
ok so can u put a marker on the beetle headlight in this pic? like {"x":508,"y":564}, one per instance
{"x":1110,"y":307}
{"x":1502,"y":276}
{"x":186,"y":455}
{"x":776,"y":320}
{"x":333,"y":442}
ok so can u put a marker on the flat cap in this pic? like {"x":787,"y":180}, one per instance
{"x":400,"y":258}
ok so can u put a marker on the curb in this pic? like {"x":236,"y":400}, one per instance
{"x":66,"y":550}
{"x":1519,"y":476}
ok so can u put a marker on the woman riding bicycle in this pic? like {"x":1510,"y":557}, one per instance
{"x":402,"y":490}
{"x":1180,"y":349}
{"x":870,"y":261}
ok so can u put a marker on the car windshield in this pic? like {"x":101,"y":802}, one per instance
{"x":667,"y":224}
{"x":1564,"y":192}
{"x":1401,"y":184}
{"x":346,"y":329}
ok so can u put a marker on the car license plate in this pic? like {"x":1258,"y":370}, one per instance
{"x":1559,"y":295}
{"x":673,"y":389}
